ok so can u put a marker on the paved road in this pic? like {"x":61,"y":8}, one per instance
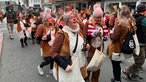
{"x":19,"y":64}
{"x":1,"y":42}
{"x":3,"y":27}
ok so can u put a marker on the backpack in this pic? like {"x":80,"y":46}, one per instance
{"x":128,"y":44}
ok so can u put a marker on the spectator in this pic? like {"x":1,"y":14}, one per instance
{"x":11,"y":18}
{"x":121,"y":28}
{"x":132,"y":71}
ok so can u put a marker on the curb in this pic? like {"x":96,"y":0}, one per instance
{"x":1,"y":43}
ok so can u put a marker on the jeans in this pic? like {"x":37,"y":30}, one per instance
{"x":10,"y":27}
{"x":139,"y":61}
{"x":47,"y":61}
{"x":116,"y":70}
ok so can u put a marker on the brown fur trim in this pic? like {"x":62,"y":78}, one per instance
{"x":84,"y":72}
{"x":19,"y":26}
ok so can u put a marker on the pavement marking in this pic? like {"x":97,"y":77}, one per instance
{"x":1,"y":43}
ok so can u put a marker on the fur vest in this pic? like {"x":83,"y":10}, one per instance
{"x":64,"y":50}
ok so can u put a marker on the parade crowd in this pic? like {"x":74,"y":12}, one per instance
{"x":68,"y":39}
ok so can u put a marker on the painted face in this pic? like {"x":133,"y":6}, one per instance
{"x":97,"y":19}
{"x":72,"y":20}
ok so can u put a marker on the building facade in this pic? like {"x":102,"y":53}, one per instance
{"x":77,"y":4}
{"x":41,"y":3}
{"x":112,"y":5}
{"x":106,"y":5}
{"x":4,"y":3}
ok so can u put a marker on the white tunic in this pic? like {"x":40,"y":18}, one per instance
{"x":78,"y":59}
{"x":21,"y":33}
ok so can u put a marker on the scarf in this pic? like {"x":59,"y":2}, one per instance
{"x":67,"y":28}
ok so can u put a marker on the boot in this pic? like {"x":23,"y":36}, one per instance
{"x":136,"y":78}
{"x":22,"y":45}
{"x":113,"y":80}
{"x":11,"y":36}
{"x":25,"y":41}
{"x":33,"y":42}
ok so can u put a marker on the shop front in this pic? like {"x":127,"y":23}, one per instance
{"x":77,"y":4}
{"x":113,"y":5}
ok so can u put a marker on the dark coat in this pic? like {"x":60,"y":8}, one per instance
{"x":140,"y":33}
{"x":11,"y":16}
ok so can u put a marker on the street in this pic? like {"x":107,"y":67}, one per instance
{"x":20,"y":64}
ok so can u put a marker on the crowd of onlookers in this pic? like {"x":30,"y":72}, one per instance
{"x":71,"y":36}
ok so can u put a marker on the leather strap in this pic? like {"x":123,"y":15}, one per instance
{"x":76,"y":44}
